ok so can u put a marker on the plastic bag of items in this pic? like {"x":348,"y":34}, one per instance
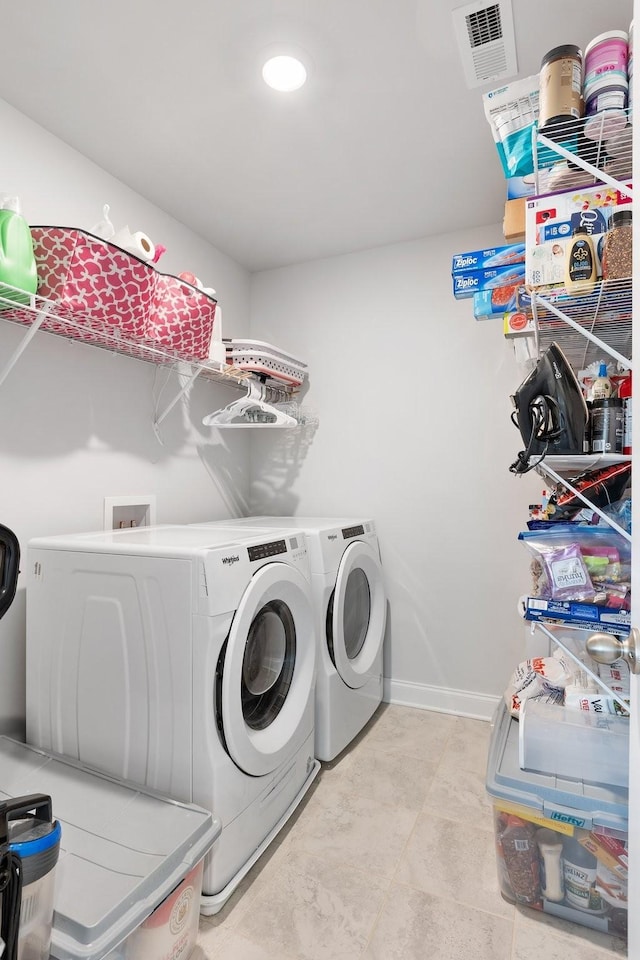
{"x":589,"y":564}
{"x":543,"y":678}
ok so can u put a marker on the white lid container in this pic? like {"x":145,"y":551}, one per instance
{"x":579,"y":744}
{"x":126,"y":854}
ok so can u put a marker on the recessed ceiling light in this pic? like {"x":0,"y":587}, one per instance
{"x":284,"y":73}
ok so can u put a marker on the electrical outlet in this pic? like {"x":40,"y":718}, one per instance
{"x":129,"y":512}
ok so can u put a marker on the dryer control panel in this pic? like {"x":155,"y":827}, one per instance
{"x":348,"y":532}
{"x":264,"y":550}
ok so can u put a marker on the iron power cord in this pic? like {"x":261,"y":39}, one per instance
{"x":545,"y":427}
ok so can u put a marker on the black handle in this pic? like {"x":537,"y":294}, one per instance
{"x":19,"y":807}
{"x":9,"y":569}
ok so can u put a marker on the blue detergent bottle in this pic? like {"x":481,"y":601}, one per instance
{"x":17,"y":260}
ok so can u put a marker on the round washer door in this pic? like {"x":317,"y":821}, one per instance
{"x":269,"y":670}
{"x":358,"y":614}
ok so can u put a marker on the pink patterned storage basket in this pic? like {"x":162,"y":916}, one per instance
{"x":104,"y":295}
{"x":107,"y":288}
{"x":180,"y":319}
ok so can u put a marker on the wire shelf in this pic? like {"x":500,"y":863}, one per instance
{"x":584,"y":152}
{"x":585,"y":327}
{"x":36,"y":313}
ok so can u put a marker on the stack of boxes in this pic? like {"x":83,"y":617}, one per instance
{"x":492,"y":278}
{"x":551,"y":222}
{"x":497,"y":278}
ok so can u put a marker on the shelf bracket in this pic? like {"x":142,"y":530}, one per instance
{"x":187,"y":386}
{"x":31,"y":331}
{"x":549,"y":471}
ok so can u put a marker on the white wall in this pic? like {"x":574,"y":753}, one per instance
{"x":76,"y":421}
{"x":412,"y":396}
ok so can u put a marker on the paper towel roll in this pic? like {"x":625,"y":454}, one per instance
{"x":522,"y":606}
{"x":137,"y":243}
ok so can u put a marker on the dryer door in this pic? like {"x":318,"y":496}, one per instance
{"x":269,"y":671}
{"x":356,"y":614}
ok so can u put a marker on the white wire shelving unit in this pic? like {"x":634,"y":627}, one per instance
{"x":599,"y":323}
{"x":36,"y":314}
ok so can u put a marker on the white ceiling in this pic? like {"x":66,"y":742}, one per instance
{"x":384,"y":143}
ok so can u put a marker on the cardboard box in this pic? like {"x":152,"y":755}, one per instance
{"x":513,"y":225}
{"x":518,"y":324}
{"x":616,"y":621}
{"x":610,"y":851}
{"x":555,"y":216}
{"x":551,"y":221}
{"x":546,"y":263}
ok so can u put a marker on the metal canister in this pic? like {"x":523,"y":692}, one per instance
{"x":607,"y":425}
{"x":560,"y":87}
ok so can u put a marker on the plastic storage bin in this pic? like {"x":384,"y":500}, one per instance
{"x":129,"y":876}
{"x":561,"y":845}
{"x":593,"y":747}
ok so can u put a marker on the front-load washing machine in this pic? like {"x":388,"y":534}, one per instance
{"x":181,"y":658}
{"x":350,"y":611}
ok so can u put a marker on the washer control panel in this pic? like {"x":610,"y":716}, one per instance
{"x":348,"y":532}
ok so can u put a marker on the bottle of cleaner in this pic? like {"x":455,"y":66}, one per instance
{"x":579,"y":874}
{"x":17,"y":261}
{"x":624,"y":391}
{"x":602,"y":388}
{"x":580,"y":265}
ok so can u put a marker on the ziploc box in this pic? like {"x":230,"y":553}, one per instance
{"x":496,"y":302}
{"x":466,"y":284}
{"x":489,"y":258}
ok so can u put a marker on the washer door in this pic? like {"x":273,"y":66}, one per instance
{"x":269,"y":670}
{"x":356,"y":614}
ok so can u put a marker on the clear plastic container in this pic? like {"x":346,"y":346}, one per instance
{"x":27,"y":824}
{"x":618,"y":246}
{"x":592,"y":746}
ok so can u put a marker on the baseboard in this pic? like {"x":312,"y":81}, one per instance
{"x":463,"y":703}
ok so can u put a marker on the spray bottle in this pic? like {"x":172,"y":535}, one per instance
{"x":17,"y":260}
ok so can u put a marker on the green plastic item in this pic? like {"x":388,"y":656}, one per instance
{"x":17,"y":260}
{"x":596,"y":565}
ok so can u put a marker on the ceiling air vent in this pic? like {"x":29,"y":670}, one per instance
{"x":486,"y":41}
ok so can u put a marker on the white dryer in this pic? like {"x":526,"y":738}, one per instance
{"x":182,"y":658}
{"x":350,"y":612}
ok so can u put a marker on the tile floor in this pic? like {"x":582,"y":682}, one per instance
{"x":391,"y":857}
